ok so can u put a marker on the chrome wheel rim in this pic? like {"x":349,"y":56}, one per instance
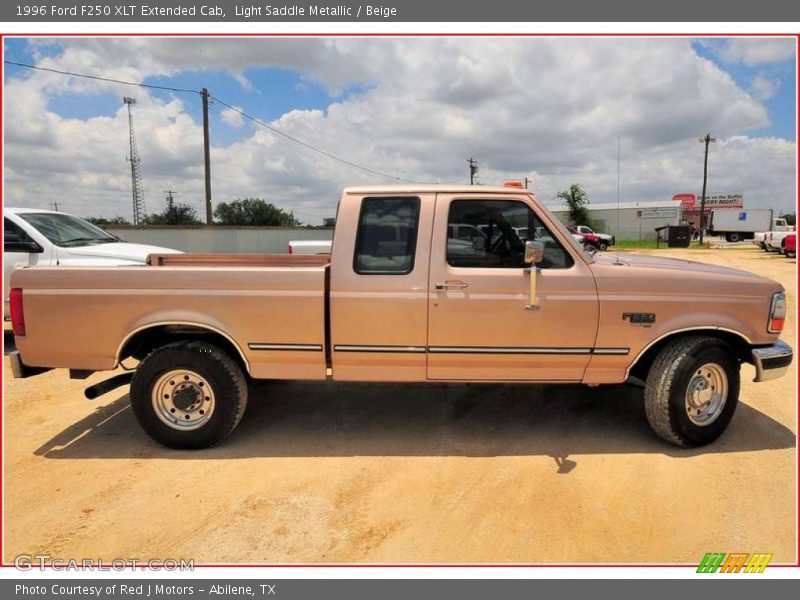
{"x":706,"y":394}
{"x":183,"y":400}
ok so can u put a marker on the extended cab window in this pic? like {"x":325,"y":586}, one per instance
{"x":504,"y":226}
{"x":387,"y":236}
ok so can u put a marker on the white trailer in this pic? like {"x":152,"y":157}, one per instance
{"x":741,"y":224}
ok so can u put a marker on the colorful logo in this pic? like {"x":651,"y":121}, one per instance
{"x":734,"y":563}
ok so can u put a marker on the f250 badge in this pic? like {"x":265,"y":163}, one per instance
{"x":644,"y":319}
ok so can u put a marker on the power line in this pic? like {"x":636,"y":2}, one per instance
{"x":314,"y":148}
{"x":231,"y":107}
{"x":98,"y":78}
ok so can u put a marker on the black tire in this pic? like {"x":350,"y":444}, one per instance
{"x":733,"y":237}
{"x":602,"y":245}
{"x":665,"y":396}
{"x":213,"y":369}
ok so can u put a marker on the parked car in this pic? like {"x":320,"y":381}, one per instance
{"x":789,"y":247}
{"x":589,"y":241}
{"x":394,"y":302}
{"x":48,"y":238}
{"x":778,"y":224}
{"x":774,"y":240}
{"x":604,"y":240}
{"x":310,"y":247}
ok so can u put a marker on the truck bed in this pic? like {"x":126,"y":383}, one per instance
{"x":270,"y":307}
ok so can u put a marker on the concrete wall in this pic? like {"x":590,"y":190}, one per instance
{"x":631,"y":225}
{"x":261,"y":240}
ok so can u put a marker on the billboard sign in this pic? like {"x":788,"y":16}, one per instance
{"x":691,"y":202}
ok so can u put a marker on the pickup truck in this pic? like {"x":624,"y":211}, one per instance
{"x":397,"y":301}
{"x":760,"y":237}
{"x":44,"y":237}
{"x":604,"y":240}
{"x":773,"y":241}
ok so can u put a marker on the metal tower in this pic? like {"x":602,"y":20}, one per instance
{"x":137,"y":190}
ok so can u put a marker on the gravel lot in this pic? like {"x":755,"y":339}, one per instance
{"x":421,"y":473}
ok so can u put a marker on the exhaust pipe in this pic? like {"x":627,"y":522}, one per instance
{"x":98,"y":389}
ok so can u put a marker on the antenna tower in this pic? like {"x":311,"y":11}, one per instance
{"x":137,"y":190}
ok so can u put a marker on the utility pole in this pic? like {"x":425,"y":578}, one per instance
{"x":207,"y":154}
{"x":473,"y":170}
{"x":170,"y":199}
{"x":55,"y":205}
{"x":707,"y":140}
{"x":526,"y":183}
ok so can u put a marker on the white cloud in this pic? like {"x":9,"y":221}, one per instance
{"x":550,"y":109}
{"x":763,"y":88}
{"x":758,"y":51}
{"x":233,"y":117}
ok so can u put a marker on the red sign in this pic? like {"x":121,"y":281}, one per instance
{"x":691,"y":202}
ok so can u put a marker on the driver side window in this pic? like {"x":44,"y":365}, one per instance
{"x":499,"y":231}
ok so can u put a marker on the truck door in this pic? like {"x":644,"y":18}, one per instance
{"x":481,"y":325}
{"x":379,"y":287}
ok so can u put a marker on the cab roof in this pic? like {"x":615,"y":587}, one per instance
{"x":441,"y":188}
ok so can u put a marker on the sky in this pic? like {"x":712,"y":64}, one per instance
{"x":414,"y":109}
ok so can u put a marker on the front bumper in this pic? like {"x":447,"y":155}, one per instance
{"x":772,"y":361}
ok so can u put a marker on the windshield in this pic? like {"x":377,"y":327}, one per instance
{"x":66,"y":230}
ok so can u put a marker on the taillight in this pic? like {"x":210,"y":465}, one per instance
{"x":17,"y":312}
{"x":291,"y":250}
{"x":777,"y":313}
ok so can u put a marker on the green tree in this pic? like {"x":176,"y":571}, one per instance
{"x":101,"y":221}
{"x":176,"y":213}
{"x":253,"y":211}
{"x":576,"y":200}
{"x":791,"y":218}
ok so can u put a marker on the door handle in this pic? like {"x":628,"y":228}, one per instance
{"x":533,"y":300}
{"x":452,"y":285}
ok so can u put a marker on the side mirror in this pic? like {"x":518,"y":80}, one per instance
{"x":29,"y":247}
{"x":534,"y":252}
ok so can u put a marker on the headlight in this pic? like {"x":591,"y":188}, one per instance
{"x":777,"y":313}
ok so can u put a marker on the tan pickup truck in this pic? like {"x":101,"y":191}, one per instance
{"x":423,"y":283}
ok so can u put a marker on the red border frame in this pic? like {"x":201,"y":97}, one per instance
{"x":796,"y":564}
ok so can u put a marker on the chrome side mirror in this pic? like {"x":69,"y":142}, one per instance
{"x":534,"y":252}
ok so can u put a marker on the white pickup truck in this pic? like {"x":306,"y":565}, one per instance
{"x":46,"y":238}
{"x":773,"y":240}
{"x":760,"y":237}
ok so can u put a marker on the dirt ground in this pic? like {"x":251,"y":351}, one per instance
{"x":423,"y":473}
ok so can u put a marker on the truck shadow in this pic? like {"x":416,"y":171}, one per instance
{"x":9,"y":345}
{"x":288,"y":419}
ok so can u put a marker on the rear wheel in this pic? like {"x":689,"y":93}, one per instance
{"x":602,"y":245}
{"x":692,"y":390}
{"x":733,"y":237}
{"x":189,"y":395}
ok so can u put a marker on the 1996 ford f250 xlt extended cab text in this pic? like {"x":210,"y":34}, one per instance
{"x":402,"y":298}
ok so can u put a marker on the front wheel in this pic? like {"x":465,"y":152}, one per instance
{"x":603,"y":246}
{"x":692,"y":390}
{"x":188,"y":395}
